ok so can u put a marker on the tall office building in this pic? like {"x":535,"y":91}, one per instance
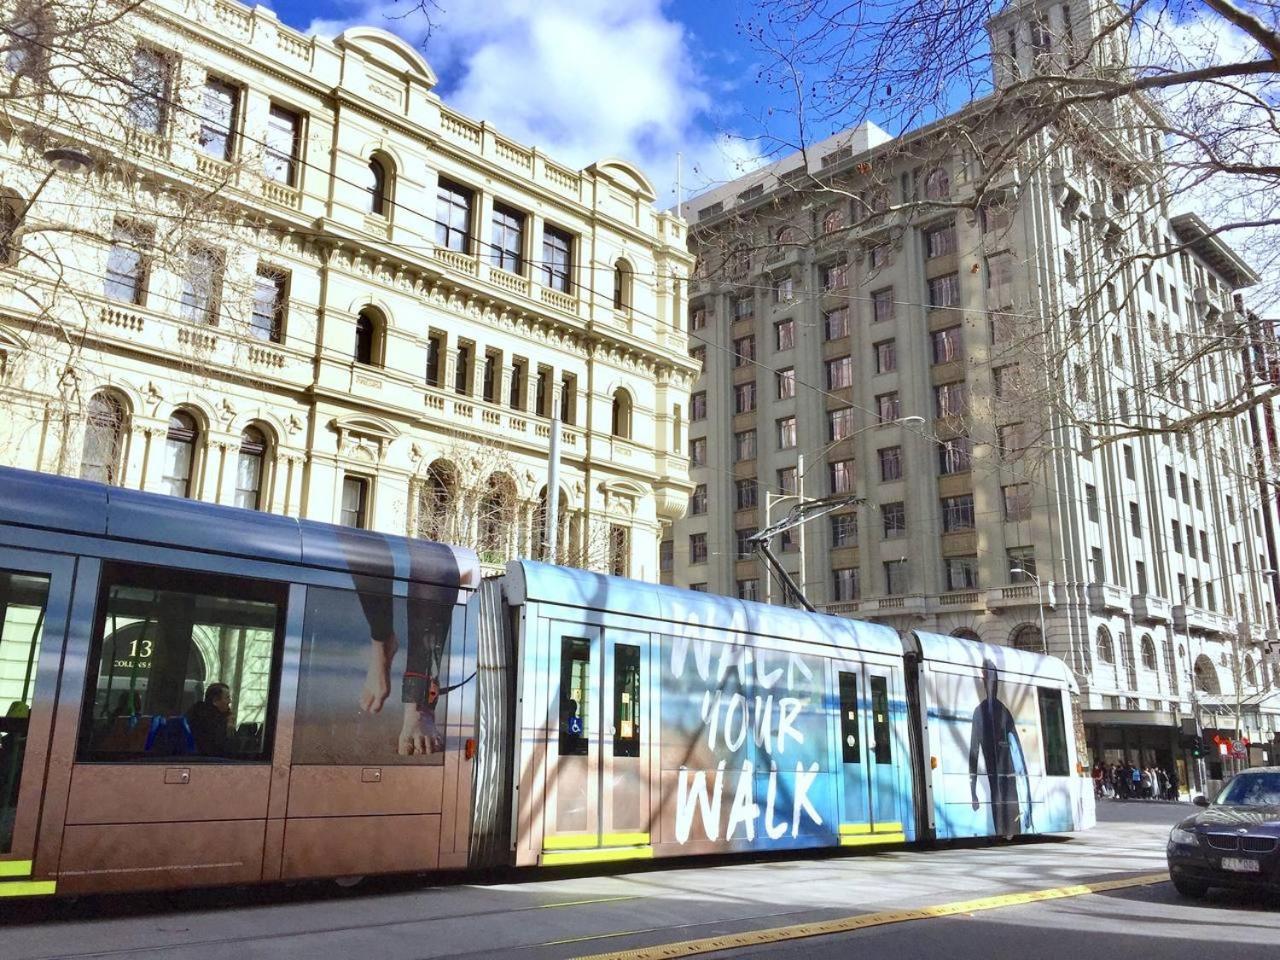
{"x":893,"y":319}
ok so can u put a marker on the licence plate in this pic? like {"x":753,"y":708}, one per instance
{"x":1241,"y":865}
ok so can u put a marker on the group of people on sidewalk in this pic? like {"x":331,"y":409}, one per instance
{"x":1127,"y":782}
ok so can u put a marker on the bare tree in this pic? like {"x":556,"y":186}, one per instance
{"x":1127,"y":114}
{"x":120,"y":168}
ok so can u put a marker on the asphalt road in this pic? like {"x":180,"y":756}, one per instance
{"x":531,"y":917}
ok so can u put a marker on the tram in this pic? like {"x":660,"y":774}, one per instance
{"x":194,"y":695}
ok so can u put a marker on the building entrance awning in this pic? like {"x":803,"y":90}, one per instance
{"x":1130,"y":718}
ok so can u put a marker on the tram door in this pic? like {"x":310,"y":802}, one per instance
{"x":885,"y":750}
{"x":869,"y":755}
{"x":599,"y":796}
{"x":34,"y":594}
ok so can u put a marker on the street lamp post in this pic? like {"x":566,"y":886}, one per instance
{"x":772,"y":499}
{"x":1044,"y":637}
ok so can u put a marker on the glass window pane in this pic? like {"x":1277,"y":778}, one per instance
{"x":23,"y":599}
{"x":372,"y":676}
{"x":217,"y":118}
{"x":849,"y":739}
{"x":626,"y":700}
{"x":880,"y":729}
{"x":575,"y":697}
{"x":184,"y":667}
{"x":1054,"y":731}
{"x":280,"y":157}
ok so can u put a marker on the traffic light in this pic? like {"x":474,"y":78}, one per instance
{"x":1193,"y":744}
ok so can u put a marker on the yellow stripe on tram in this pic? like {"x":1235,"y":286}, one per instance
{"x":596,"y":855}
{"x":15,"y":868}
{"x":583,"y":841}
{"x":870,"y":839}
{"x":852,"y":829}
{"x":29,"y":888}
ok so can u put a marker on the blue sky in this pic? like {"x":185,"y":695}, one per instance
{"x":584,"y":79}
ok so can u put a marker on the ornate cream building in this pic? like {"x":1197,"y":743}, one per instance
{"x":293,"y":279}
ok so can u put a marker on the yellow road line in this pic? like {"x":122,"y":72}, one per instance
{"x":799,"y":931}
{"x":580,"y":903}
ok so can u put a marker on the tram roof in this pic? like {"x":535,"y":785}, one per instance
{"x":66,"y":505}
{"x":958,"y":650}
{"x":531,"y":581}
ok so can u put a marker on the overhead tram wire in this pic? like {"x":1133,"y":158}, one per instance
{"x":924,"y":525}
{"x":478,"y":242}
{"x":391,"y":201}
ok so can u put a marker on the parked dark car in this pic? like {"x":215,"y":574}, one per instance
{"x":1234,"y":841}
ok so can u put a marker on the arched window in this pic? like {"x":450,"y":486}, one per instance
{"x":938,"y":184}
{"x":621,"y":414}
{"x":622,"y":281}
{"x":1106,"y":651}
{"x":1148,"y":652}
{"x":179,"y":454}
{"x":369,"y":327}
{"x":964,"y":633}
{"x":103,"y":439}
{"x":1206,"y":675}
{"x":497,"y":519}
{"x":833,"y":220}
{"x":249,"y":468}
{"x":27,"y":47}
{"x":1250,"y":673}
{"x":11,"y":207}
{"x":436,"y":500}
{"x":786,"y":236}
{"x":377,"y":187}
{"x":1027,"y":637}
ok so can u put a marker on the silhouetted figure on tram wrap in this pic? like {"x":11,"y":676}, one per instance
{"x":994,"y":736}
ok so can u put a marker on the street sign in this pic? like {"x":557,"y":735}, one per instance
{"x":1239,"y":749}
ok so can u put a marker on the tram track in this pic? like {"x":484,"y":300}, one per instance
{"x":336,"y":929}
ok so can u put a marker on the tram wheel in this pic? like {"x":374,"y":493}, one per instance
{"x":346,"y":883}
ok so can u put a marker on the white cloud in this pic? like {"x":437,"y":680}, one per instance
{"x":579,"y":79}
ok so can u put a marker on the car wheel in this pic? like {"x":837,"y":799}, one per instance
{"x":1192,"y":889}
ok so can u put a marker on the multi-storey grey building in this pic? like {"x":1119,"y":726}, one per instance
{"x":889,"y":318}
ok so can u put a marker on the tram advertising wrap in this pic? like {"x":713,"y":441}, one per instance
{"x":745,"y":751}
{"x":213,"y":696}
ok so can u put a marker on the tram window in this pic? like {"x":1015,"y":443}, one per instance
{"x":880,"y":719}
{"x":1053,"y":732}
{"x":849,"y":718}
{"x":626,"y":700}
{"x":372,"y":677}
{"x":575,"y":695}
{"x":23,"y":598}
{"x":184,"y":665}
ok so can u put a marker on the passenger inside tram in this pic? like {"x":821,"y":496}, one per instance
{"x":209,"y":720}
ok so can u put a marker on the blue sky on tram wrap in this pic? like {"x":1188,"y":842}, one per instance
{"x":585,"y":79}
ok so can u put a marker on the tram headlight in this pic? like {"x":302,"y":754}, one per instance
{"x":1182,"y":837}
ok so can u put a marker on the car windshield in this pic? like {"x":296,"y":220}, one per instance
{"x":1252,"y":790}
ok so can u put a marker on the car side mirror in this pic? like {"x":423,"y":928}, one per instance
{"x":1201,"y":801}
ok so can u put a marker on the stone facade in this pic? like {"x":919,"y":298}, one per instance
{"x":400,"y":300}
